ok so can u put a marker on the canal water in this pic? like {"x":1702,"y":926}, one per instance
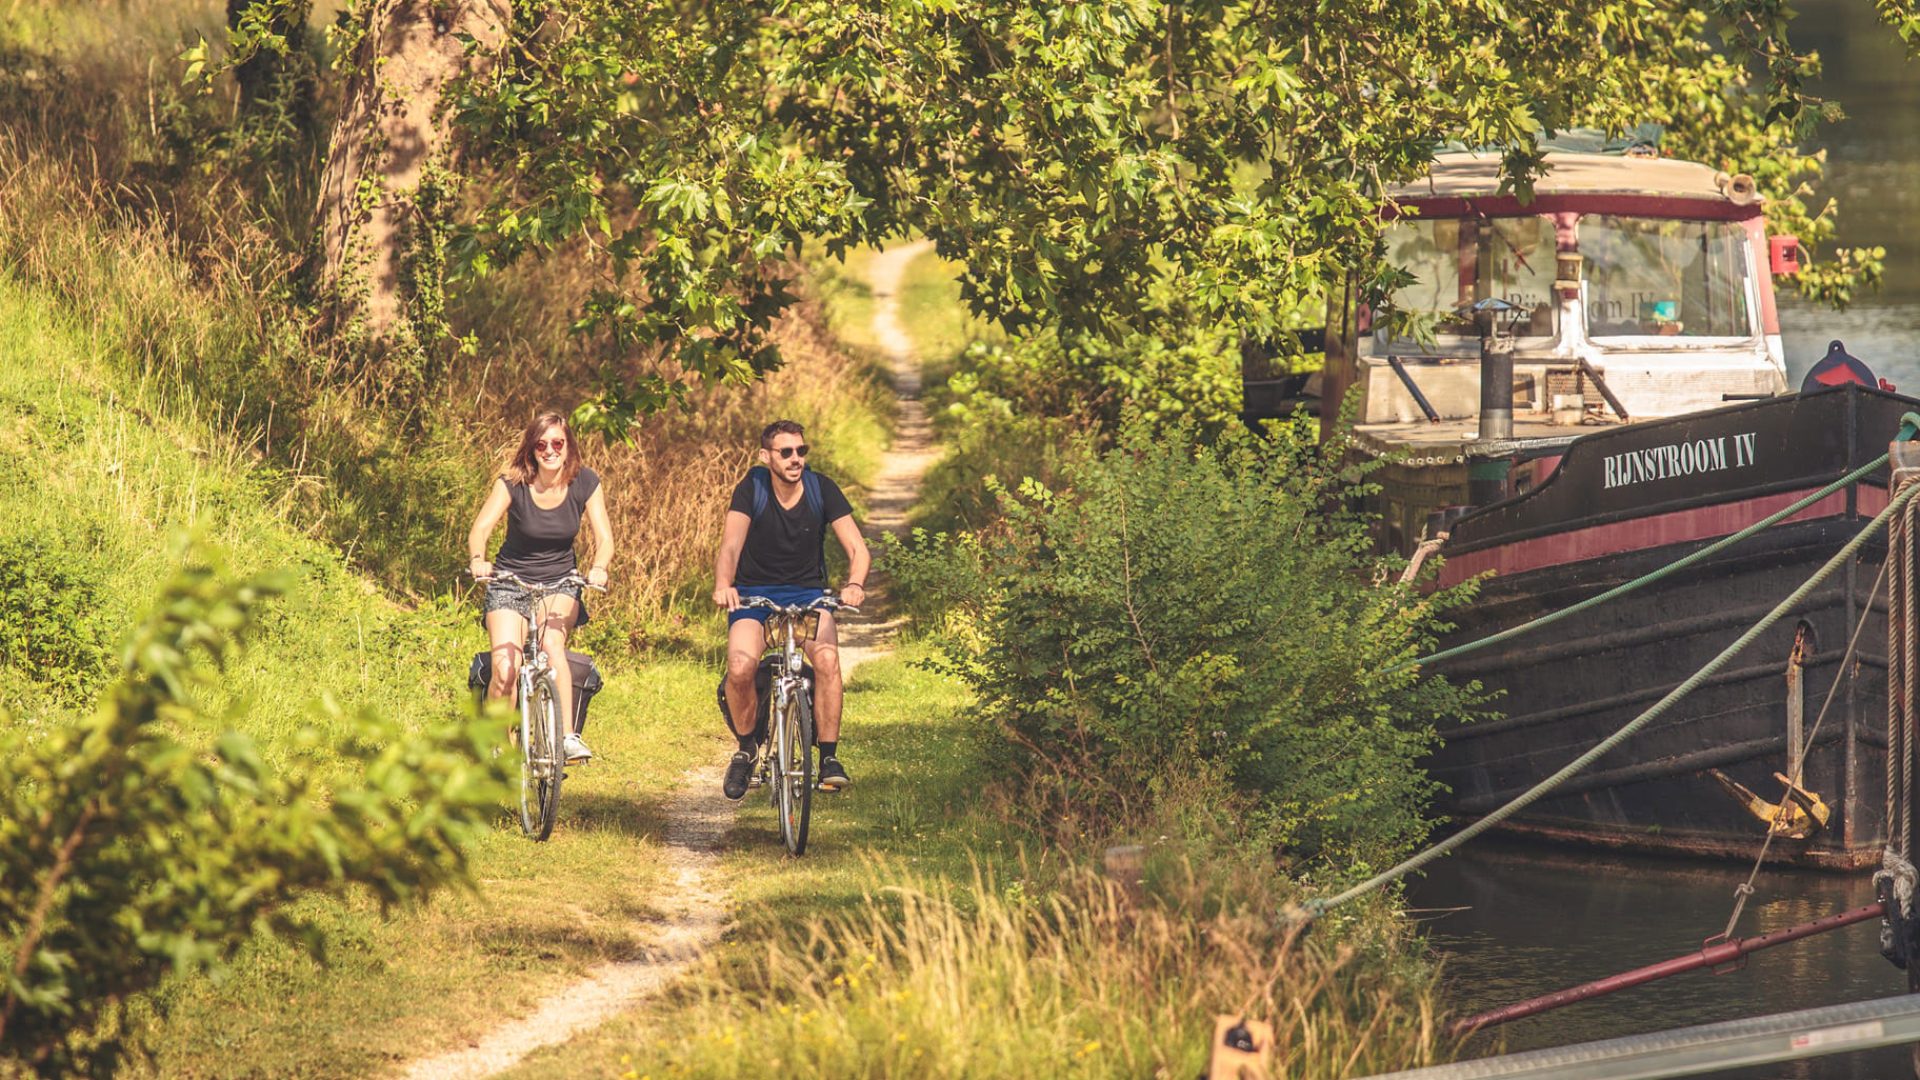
{"x":1513,"y":922}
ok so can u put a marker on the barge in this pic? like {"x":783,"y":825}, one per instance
{"x":1593,"y":387}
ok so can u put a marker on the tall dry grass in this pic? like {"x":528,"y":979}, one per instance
{"x":186,"y":264}
{"x":667,"y":485}
{"x":925,"y":980}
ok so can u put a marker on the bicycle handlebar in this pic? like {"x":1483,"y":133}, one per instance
{"x":820,"y":603}
{"x":543,"y":586}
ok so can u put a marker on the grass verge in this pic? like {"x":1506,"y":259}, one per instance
{"x":927,"y":934}
{"x":110,"y":484}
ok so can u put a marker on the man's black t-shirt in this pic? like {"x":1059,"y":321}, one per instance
{"x":787,"y":546}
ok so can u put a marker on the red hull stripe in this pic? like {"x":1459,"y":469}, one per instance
{"x":1655,"y":530}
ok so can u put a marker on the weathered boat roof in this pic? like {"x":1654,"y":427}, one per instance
{"x":1470,"y":175}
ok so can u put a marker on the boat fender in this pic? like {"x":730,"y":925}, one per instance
{"x":1837,"y":368}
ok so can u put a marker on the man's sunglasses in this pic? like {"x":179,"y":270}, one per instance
{"x":541,"y":446}
{"x":789,"y":451}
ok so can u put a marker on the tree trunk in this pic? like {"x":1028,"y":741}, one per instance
{"x":392,"y":130}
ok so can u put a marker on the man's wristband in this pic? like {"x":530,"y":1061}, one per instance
{"x":854,"y":585}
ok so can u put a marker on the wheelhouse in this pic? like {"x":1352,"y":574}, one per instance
{"x":1627,"y":288}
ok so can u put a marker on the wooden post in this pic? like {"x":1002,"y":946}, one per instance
{"x":1242,"y":1049}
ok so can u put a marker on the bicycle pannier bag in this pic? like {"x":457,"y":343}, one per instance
{"x":586,"y":681}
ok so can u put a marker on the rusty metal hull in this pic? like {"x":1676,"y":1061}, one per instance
{"x":1565,"y":688}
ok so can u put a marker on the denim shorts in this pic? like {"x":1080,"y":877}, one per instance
{"x":511,"y":597}
{"x":784,"y":595}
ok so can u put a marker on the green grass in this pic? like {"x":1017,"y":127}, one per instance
{"x":929,"y":307}
{"x":927,"y":934}
{"x":915,"y":804}
{"x":934,"y":316}
{"x":109,"y":486}
{"x":434,"y":978}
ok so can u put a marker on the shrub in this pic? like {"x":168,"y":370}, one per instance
{"x":50,"y":624}
{"x":1171,"y":610}
{"x":1193,"y":375}
{"x":125,"y":854}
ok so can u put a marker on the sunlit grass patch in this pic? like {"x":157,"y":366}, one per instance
{"x":110,"y":479}
{"x":926,"y":977}
{"x":540,"y":915}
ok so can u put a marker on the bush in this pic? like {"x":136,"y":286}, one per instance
{"x":125,"y":854}
{"x":52,"y":630}
{"x":1171,"y":611}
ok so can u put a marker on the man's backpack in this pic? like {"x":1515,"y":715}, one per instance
{"x":762,"y":480}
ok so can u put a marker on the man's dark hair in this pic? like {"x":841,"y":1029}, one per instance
{"x":780,"y":427}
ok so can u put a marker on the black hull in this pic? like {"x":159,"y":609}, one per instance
{"x":1565,"y":688}
{"x":1594,"y":672}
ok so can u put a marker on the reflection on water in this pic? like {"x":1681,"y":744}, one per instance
{"x":1536,"y":922}
{"x":1514,"y":922}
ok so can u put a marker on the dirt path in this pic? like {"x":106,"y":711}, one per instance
{"x":695,"y":904}
{"x":911,"y":453}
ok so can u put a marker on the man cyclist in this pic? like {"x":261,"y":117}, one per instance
{"x":774,"y":545}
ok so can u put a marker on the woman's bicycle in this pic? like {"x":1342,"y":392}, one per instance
{"x":543,"y":754}
{"x":786,"y":755}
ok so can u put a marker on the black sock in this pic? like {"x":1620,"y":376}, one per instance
{"x":748,"y":744}
{"x":827,"y":748}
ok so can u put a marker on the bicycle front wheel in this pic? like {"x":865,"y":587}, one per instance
{"x":543,"y":765}
{"x":796,"y":773}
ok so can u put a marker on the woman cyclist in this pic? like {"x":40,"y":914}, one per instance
{"x":544,"y":492}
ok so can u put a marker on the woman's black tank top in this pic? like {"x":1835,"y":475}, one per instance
{"x":539,"y":544}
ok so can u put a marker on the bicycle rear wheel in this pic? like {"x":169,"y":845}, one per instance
{"x":796,"y":773}
{"x":544,"y":763}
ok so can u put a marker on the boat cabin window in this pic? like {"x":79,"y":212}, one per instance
{"x":1648,"y":277}
{"x":1454,"y":262}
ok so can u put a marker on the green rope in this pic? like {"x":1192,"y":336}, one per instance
{"x":1909,"y":425}
{"x":1315,"y":908}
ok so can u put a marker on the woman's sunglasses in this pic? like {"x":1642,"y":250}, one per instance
{"x":541,"y":446}
{"x":789,"y":451}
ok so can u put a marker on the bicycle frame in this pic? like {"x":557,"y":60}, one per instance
{"x":787,"y":755}
{"x":542,"y":742}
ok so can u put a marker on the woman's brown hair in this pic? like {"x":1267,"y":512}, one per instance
{"x":523,"y":468}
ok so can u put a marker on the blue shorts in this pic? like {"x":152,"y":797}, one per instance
{"x":784,"y":595}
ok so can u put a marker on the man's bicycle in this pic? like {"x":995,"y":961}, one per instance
{"x":542,"y":736}
{"x":786,"y":755}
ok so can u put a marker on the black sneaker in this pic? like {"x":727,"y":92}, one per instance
{"x":833,"y":775}
{"x":735,"y":785}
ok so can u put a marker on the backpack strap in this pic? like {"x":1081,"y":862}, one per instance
{"x":816,"y":502}
{"x":762,"y":481}
{"x":763,"y":490}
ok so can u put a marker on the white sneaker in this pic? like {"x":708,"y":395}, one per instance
{"x":576,"y":748}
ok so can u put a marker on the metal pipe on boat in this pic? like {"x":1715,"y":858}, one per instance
{"x":1713,"y":955}
{"x":1496,"y":389}
{"x":1399,"y":367}
{"x":1496,"y":370}
{"x":1600,"y":384}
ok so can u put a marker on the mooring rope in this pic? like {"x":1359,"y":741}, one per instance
{"x":1744,"y":890}
{"x":1315,"y":908}
{"x":1909,"y":426}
